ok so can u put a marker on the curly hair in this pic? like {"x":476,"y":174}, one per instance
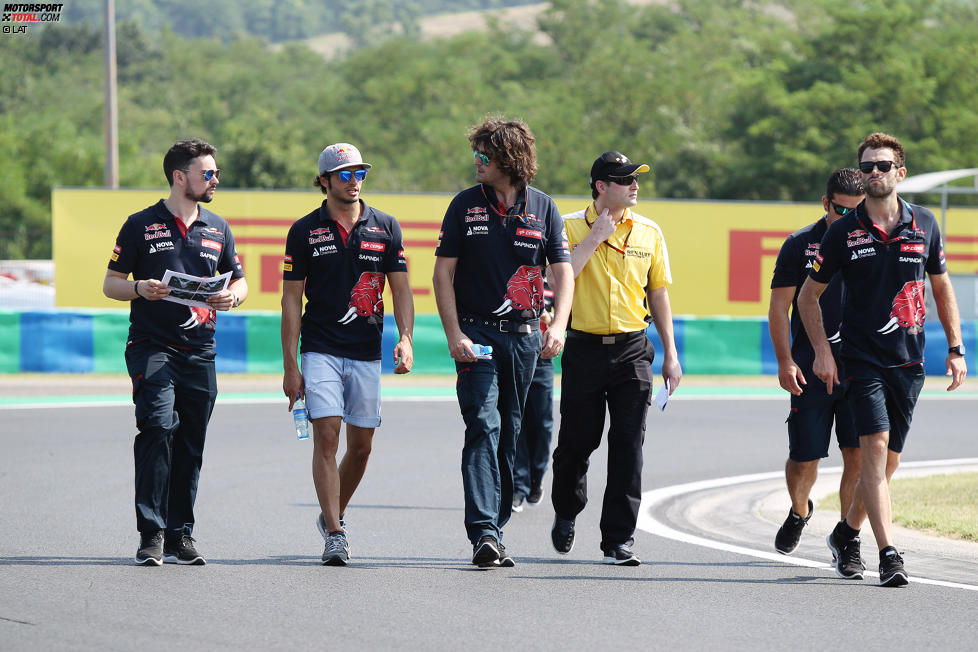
{"x":510,"y":144}
{"x":845,"y":181}
{"x":879,"y":140}
{"x":182,"y":153}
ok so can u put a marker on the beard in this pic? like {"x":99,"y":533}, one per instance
{"x":205,"y":196}
{"x":882,"y":189}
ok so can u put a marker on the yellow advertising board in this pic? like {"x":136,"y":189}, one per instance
{"x":722,"y":253}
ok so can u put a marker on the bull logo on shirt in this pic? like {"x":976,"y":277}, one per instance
{"x":366,"y":299}
{"x":908,"y":309}
{"x":524,"y":292}
{"x":199,"y":317}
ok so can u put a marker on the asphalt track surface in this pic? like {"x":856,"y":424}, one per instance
{"x":709,"y":577}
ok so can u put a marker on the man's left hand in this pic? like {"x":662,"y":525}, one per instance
{"x":223,"y":300}
{"x":403,"y":357}
{"x":957,"y":369}
{"x":672,"y":373}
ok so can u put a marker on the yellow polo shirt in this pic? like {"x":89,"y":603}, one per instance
{"x":610,"y":292}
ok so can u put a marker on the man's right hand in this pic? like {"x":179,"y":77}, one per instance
{"x":791,"y":378}
{"x":293,"y":386}
{"x":461,"y":349}
{"x":603,"y":227}
{"x":826,"y":371}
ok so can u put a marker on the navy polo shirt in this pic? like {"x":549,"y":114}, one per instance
{"x":501,"y":252}
{"x":883,"y":313}
{"x":345,"y":279}
{"x":153,"y":241}
{"x":791,"y":269}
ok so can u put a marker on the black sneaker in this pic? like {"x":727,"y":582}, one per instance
{"x":150,"y":551}
{"x":182,"y":551}
{"x":787,"y":539}
{"x":505,"y":561}
{"x":517,"y":504}
{"x":536,"y":495}
{"x":845,"y":554}
{"x":485,"y":554}
{"x":892,"y":572}
{"x":562,"y":535}
{"x":621,"y":555}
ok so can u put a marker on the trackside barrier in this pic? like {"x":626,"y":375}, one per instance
{"x":92,"y":341}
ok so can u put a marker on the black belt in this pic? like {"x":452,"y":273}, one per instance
{"x":504,"y":325}
{"x":615,"y":338}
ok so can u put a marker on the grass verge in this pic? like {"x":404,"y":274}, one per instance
{"x":944,"y":505}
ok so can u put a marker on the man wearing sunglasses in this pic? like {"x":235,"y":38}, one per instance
{"x":341,"y":255}
{"x":813,"y":409}
{"x":495,"y":238}
{"x":170,"y":349}
{"x":621,"y":270}
{"x":883,"y":250}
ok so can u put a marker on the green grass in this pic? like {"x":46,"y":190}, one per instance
{"x":944,"y":505}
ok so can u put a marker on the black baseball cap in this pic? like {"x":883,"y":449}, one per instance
{"x":614,"y":164}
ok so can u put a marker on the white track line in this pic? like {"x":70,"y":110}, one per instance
{"x":651,"y":499}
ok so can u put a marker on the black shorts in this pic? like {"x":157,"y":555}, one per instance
{"x":884,"y":398}
{"x":810,"y":422}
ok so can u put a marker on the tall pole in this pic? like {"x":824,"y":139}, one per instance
{"x":111,"y":106}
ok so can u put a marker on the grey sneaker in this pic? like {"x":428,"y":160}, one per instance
{"x":182,"y":551}
{"x":323,"y":529}
{"x":518,"y":504}
{"x":337,"y":550}
{"x":150,"y":552}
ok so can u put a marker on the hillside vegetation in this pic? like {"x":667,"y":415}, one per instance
{"x":725,"y":99}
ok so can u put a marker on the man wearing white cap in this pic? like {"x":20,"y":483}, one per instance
{"x":341,"y":255}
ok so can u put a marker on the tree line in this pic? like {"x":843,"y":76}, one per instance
{"x":731,"y":99}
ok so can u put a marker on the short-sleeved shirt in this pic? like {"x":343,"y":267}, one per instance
{"x":883,"y":312}
{"x":610,"y":292}
{"x":153,"y":241}
{"x":796,"y":257}
{"x":501,"y":252}
{"x":345,"y":276}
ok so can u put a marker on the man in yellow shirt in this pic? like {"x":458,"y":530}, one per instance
{"x":621,"y":270}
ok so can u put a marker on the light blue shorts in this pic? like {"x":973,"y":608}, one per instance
{"x":340,"y":387}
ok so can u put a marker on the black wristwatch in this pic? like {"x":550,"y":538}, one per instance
{"x":959,"y":349}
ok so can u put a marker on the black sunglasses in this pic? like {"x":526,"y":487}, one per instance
{"x":866,"y":167}
{"x":624,"y":181}
{"x":839,"y":210}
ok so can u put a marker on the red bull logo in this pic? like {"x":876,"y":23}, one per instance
{"x":199,"y":317}
{"x":319,"y":231}
{"x":524,"y":292}
{"x":858,"y":233}
{"x":155,"y":227}
{"x":908,"y":309}
{"x":366,"y":299}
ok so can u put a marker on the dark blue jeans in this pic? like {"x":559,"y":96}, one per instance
{"x":491,"y":395}
{"x":174,"y":393}
{"x":536,"y":432}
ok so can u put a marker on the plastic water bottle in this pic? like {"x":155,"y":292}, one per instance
{"x":301,"y":419}
{"x":482,"y":351}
